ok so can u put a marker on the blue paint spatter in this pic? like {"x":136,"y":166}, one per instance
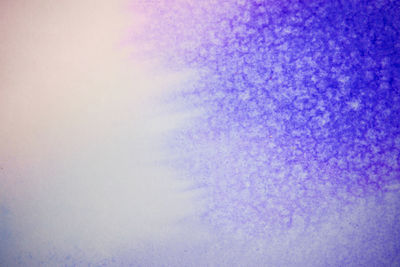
{"x":302,"y":101}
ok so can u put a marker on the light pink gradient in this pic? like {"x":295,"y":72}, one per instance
{"x":81,"y":132}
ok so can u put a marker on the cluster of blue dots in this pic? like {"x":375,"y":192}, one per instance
{"x":309,"y":89}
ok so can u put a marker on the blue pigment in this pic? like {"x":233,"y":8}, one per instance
{"x":301,"y":100}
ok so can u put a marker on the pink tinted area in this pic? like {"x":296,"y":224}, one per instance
{"x":80,"y":137}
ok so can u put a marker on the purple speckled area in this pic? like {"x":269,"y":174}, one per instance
{"x":221,"y":133}
{"x":299,"y":112}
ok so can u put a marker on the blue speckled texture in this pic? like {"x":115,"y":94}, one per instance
{"x":300,"y":106}
{"x":288,"y":151}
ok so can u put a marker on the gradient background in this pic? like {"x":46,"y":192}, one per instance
{"x":80,"y":136}
{"x":107,"y":157}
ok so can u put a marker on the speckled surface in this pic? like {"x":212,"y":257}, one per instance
{"x":279,"y":146}
{"x":299,"y":105}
